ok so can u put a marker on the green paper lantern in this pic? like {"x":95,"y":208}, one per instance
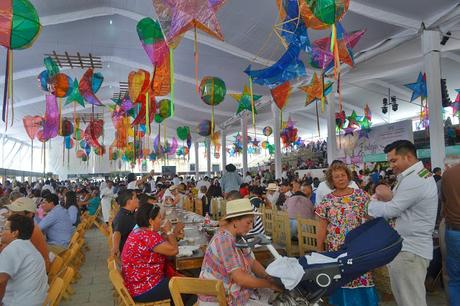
{"x":182,"y":132}
{"x":328,"y":11}
{"x":19,"y":23}
{"x":212,"y":90}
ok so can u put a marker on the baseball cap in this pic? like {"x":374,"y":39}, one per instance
{"x":22,"y":204}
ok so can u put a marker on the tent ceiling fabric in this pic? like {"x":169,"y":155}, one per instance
{"x":83,"y":26}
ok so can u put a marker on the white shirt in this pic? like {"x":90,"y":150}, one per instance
{"x":48,"y":187}
{"x":414,"y":205}
{"x":102,"y":186}
{"x":247,"y":179}
{"x":132,"y":185}
{"x":176,"y":181}
{"x":107,"y":194}
{"x":323,"y":190}
{"x":203,"y":183}
{"x":28,"y":283}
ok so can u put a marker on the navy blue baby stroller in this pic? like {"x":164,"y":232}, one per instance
{"x":369,"y":246}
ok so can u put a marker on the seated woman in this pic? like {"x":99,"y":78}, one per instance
{"x":144,"y":255}
{"x":94,"y":202}
{"x":237,"y":268}
{"x":70,"y":203}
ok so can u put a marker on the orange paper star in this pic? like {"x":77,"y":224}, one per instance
{"x":316,"y":90}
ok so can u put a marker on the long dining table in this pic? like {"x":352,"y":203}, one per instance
{"x":196,"y":238}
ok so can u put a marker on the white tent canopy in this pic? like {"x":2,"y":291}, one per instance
{"x":388,"y":56}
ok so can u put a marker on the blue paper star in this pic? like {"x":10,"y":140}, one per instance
{"x":418,"y":88}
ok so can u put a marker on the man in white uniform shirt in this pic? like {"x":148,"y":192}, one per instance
{"x":413,"y":203}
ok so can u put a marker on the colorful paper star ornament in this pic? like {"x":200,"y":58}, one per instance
{"x":179,"y":16}
{"x":316,"y":90}
{"x":244,"y":100}
{"x":75,"y":95}
{"x":321,"y":55}
{"x":280,"y":94}
{"x":418,"y":88}
{"x":353,"y":119}
{"x":456,"y":104}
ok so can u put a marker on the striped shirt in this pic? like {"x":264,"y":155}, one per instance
{"x":258,"y":226}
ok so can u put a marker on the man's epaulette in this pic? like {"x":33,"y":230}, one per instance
{"x":424,"y":173}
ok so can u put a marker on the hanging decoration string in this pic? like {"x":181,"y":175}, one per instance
{"x":171,"y":64}
{"x":60,"y":115}
{"x":212,"y":106}
{"x":195,"y":54}
{"x":10,"y":84}
{"x":317,"y":118}
{"x":5,"y":92}
{"x":147,"y":114}
{"x":32,"y":155}
{"x":253,"y":110}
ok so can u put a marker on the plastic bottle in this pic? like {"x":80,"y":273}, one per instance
{"x":207,"y":219}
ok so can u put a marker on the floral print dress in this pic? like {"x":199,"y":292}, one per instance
{"x":343,"y":214}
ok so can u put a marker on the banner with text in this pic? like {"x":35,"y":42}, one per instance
{"x":358,"y":148}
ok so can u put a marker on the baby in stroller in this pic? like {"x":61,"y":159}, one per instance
{"x":313,"y":276}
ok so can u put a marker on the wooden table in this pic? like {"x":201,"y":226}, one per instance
{"x":262,"y":254}
{"x":191,"y":229}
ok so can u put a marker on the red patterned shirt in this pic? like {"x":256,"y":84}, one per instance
{"x":142,"y":268}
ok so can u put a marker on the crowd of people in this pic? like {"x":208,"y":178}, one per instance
{"x":38,"y":220}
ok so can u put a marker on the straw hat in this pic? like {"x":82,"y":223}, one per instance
{"x":239,"y":207}
{"x":22,"y":204}
{"x":272,"y":187}
{"x":172,"y":188}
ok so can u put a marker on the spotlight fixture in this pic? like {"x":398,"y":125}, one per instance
{"x":445,"y":38}
{"x":446,"y":102}
{"x":386,"y":104}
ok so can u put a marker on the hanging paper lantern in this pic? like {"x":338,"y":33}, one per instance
{"x":113,"y":153}
{"x":19,"y":23}
{"x":80,"y":153}
{"x":96,"y":81}
{"x":51,"y":67}
{"x":138,"y":83}
{"x":32,"y":125}
{"x":265,"y":144}
{"x":182,"y":132}
{"x":83,"y":144}
{"x":212,"y":90}
{"x":78,"y":135}
{"x":68,"y":142}
{"x":204,"y":128}
{"x":189,"y":140}
{"x":61,"y":85}
{"x":152,"y":156}
{"x":164,"y":108}
{"x":322,"y":14}
{"x":267,"y":131}
{"x":158,"y":118}
{"x":43,"y":78}
{"x":66,"y":128}
{"x":99,"y":151}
